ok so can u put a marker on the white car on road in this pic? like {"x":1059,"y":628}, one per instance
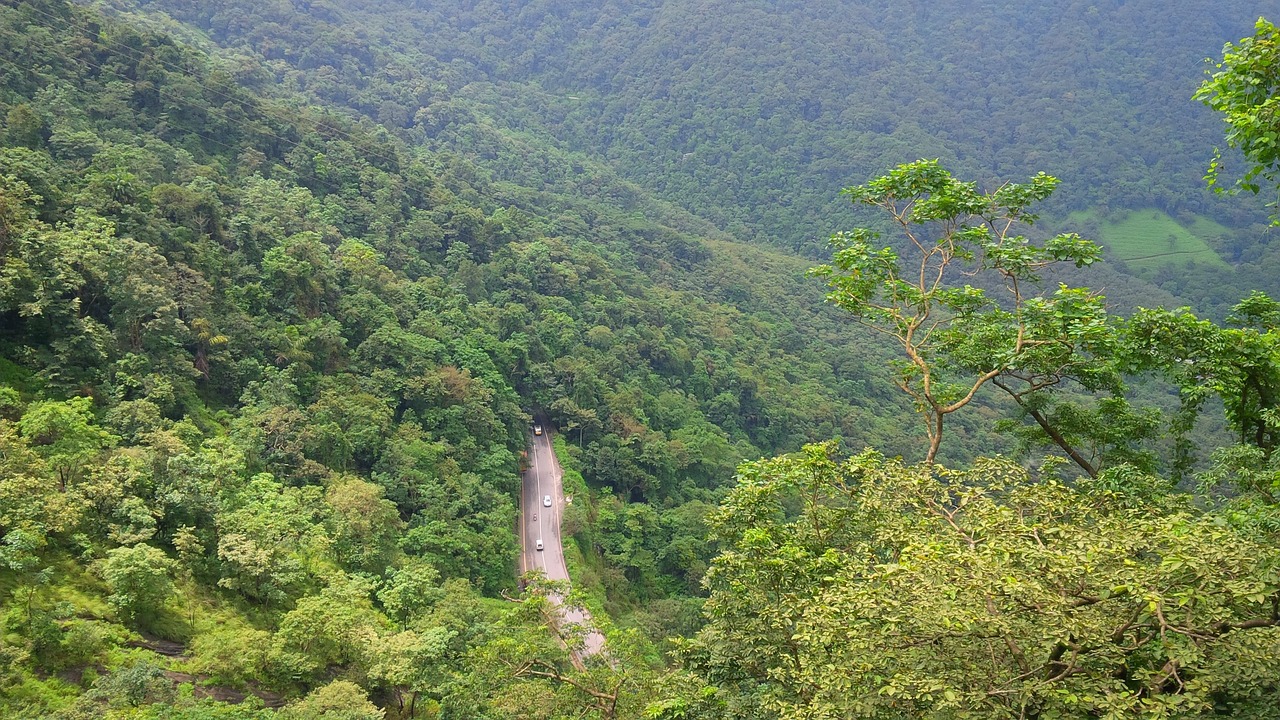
{"x":546,"y":501}
{"x":540,"y":546}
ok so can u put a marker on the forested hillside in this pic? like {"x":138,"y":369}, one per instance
{"x":259,"y":358}
{"x":284,"y":285}
{"x":755,"y":115}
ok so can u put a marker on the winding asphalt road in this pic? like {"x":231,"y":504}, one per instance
{"x":539,"y":522}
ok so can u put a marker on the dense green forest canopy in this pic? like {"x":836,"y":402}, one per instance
{"x":306,"y":353}
{"x":754,"y":116}
{"x":282,"y":286}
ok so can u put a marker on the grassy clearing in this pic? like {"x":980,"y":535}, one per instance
{"x":1147,"y":239}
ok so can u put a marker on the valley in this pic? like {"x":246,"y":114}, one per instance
{"x":674,"y":359}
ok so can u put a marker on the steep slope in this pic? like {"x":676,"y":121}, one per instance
{"x":267,"y":372}
{"x":266,"y":366}
{"x":757,"y":113}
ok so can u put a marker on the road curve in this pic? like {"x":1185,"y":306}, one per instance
{"x":542,"y":478}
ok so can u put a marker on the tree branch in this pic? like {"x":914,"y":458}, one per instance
{"x":607,"y":702}
{"x":1057,"y":437}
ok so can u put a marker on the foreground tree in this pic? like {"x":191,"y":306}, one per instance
{"x":1246,"y":90}
{"x":533,"y":665}
{"x":956,"y":337}
{"x":1239,"y":363}
{"x":918,"y":592}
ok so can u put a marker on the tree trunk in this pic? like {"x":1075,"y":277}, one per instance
{"x":935,"y":438}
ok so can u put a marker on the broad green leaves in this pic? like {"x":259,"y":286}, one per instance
{"x":866,"y":588}
{"x":1245,"y":89}
{"x":1241,"y":365}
